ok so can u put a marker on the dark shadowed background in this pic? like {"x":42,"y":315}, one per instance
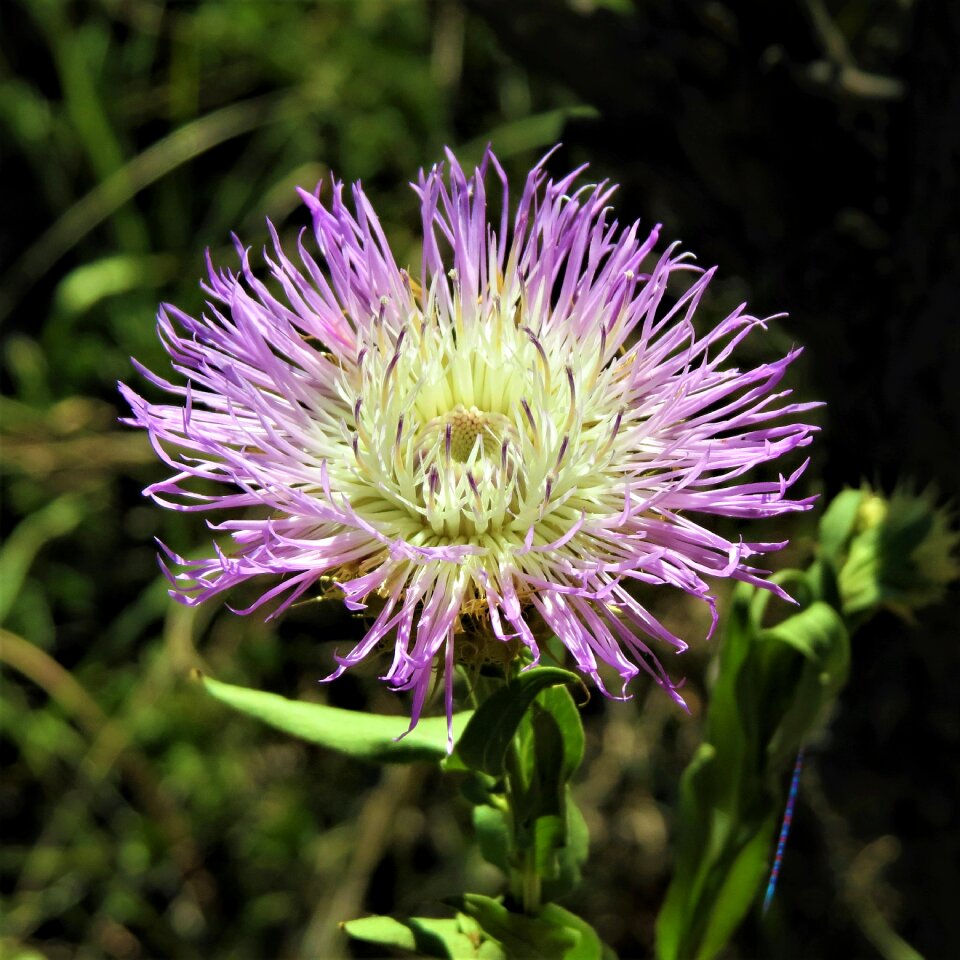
{"x":810,"y":148}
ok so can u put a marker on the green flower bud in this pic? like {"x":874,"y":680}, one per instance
{"x":895,"y":552}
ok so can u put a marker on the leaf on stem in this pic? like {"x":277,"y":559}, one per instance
{"x":457,"y":939}
{"x":773,"y":688}
{"x":553,"y":934}
{"x":491,"y":730}
{"x":365,"y":736}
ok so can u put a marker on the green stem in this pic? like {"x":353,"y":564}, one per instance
{"x":525,"y":883}
{"x":531,"y":886}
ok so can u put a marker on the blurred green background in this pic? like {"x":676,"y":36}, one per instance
{"x":810,"y":148}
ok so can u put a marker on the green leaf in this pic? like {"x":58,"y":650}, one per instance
{"x":540,"y":802}
{"x":543,"y":762}
{"x":554,"y":934}
{"x":721,"y":859}
{"x":534,"y":132}
{"x":815,"y":633}
{"x":806,"y":689}
{"x":571,"y":856}
{"x":772,"y":689}
{"x":558,"y":702}
{"x":494,"y":724}
{"x":477,"y":787}
{"x":537,"y":745}
{"x":736,"y":892}
{"x":454,"y":939}
{"x":493,"y":836}
{"x":732,"y":731}
{"x":90,"y":283}
{"x":569,"y":852}
{"x":590,"y":946}
{"x":694,"y":825}
{"x":366,"y":736}
{"x":837,"y":525}
{"x":549,"y":747}
{"x":54,"y":520}
{"x":549,"y":836}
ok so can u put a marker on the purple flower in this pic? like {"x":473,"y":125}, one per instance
{"x":509,"y":439}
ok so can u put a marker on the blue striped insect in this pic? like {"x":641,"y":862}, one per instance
{"x":784,"y":831}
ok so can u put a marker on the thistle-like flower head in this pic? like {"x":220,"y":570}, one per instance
{"x":511,"y":437}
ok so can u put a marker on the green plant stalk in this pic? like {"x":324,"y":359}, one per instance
{"x":525,"y":882}
{"x":532,"y":885}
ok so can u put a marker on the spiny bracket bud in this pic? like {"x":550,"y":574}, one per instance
{"x":896,"y":552}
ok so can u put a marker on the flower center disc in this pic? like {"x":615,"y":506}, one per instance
{"x":465,"y":426}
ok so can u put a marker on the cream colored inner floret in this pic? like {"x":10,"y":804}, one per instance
{"x":477,"y":431}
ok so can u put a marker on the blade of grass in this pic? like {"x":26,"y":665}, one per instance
{"x":184,"y":144}
{"x":54,"y":520}
{"x":85,"y":107}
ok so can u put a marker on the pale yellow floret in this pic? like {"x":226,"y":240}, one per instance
{"x":476,"y":429}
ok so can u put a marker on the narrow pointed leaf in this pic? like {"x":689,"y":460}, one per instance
{"x":553,"y":935}
{"x":773,"y":688}
{"x":807,"y":686}
{"x":493,"y":725}
{"x":424,"y":936}
{"x":363,"y":735}
{"x":590,"y":946}
{"x":493,"y":836}
{"x":735,"y":893}
{"x":571,"y":856}
{"x":558,"y":702}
